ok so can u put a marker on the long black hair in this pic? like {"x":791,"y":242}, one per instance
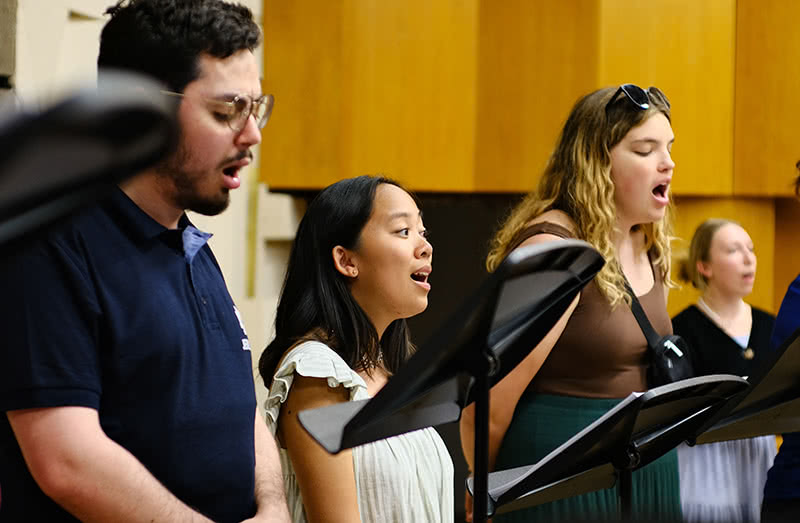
{"x":316,"y":303}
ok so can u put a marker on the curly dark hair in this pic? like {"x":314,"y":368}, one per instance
{"x":164,"y":38}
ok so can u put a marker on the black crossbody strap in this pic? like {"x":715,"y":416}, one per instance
{"x":641,"y":318}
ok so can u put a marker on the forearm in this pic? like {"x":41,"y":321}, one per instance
{"x":88,"y":474}
{"x":270,"y":495}
{"x":497,"y":431}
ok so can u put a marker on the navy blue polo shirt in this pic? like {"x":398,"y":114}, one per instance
{"x":114,"y":312}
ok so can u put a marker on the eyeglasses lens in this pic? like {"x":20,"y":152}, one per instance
{"x":261,"y":108}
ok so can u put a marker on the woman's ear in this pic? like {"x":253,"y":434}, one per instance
{"x":343,"y":261}
{"x":703,"y":269}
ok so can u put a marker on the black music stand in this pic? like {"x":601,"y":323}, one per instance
{"x":71,"y":154}
{"x":636,"y":432}
{"x":770,"y":406}
{"x":488,"y":336}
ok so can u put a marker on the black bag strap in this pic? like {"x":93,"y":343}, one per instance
{"x":641,"y":318}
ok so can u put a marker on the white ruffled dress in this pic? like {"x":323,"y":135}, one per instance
{"x":403,"y":479}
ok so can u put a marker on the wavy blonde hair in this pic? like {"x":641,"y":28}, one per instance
{"x":577,"y":180}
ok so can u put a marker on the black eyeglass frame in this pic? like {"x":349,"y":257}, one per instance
{"x":639,"y":97}
{"x":238,"y":119}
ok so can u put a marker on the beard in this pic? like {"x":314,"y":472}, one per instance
{"x":187,"y":185}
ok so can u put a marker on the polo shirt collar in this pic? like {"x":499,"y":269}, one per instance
{"x":146,"y":228}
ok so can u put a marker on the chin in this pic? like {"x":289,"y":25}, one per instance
{"x":418,"y":309}
{"x":210,"y":207}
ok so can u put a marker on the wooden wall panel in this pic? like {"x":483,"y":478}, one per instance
{"x":410,"y":96}
{"x":304,"y":69}
{"x":535,"y":59}
{"x":686,"y":48}
{"x":371,"y":87}
{"x":767,"y":105}
{"x":787,"y":255}
{"x":756,"y":216}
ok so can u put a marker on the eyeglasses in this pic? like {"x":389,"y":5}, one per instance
{"x":237,"y":111}
{"x":639,"y":97}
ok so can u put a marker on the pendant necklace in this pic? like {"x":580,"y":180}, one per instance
{"x":747,"y":353}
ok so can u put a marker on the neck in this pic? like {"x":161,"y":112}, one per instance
{"x":147,"y":191}
{"x":724,"y":305}
{"x":627,"y":242}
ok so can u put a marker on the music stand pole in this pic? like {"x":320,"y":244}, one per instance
{"x":481,"y":443}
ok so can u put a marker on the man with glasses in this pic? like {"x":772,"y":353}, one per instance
{"x":125,"y":374}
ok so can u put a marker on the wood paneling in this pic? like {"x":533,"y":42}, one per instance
{"x":535,"y":59}
{"x":686,"y":48}
{"x":767,"y":102}
{"x":371,"y":87}
{"x":756,"y":216}
{"x":304,"y":69}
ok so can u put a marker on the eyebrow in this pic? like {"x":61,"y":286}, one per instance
{"x":403,"y":214}
{"x":228,"y":97}
{"x":651,"y":140}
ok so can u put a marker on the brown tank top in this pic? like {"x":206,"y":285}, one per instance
{"x":602,"y":352}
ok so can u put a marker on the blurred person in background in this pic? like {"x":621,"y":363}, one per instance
{"x":724,"y":482}
{"x":782,"y":491}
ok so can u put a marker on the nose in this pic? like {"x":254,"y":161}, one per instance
{"x":424,"y":249}
{"x":250,"y":134}
{"x":666,"y":163}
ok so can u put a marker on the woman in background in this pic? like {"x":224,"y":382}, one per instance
{"x":607,"y":182}
{"x":782,"y":491}
{"x":359,"y":267}
{"x":723,"y":482}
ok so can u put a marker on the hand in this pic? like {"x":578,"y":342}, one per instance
{"x":272,"y":516}
{"x":468,"y":508}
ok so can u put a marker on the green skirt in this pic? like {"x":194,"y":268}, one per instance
{"x":543,"y":422}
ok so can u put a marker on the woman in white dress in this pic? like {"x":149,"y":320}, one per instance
{"x":359,"y":266}
{"x":724,"y":482}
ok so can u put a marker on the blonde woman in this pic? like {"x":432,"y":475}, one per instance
{"x":724,"y":481}
{"x":607,"y":182}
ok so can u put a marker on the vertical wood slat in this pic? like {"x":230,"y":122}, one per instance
{"x":767,"y":107}
{"x":686,"y":48}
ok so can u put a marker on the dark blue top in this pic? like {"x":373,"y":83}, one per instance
{"x":783,"y":479}
{"x":114,"y":312}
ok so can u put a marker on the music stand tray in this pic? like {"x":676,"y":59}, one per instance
{"x":638,"y":430}
{"x":475,"y":348}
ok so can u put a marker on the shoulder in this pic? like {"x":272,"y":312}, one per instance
{"x":552,"y":225}
{"x":556,"y":217}
{"x":686,"y":318}
{"x":761,"y":315}
{"x":310,"y":359}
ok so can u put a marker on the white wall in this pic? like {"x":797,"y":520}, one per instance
{"x":57,"y":43}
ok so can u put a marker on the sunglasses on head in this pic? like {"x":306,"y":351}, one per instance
{"x":639,"y":97}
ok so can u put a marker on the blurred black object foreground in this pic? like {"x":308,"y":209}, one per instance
{"x":55,"y":161}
